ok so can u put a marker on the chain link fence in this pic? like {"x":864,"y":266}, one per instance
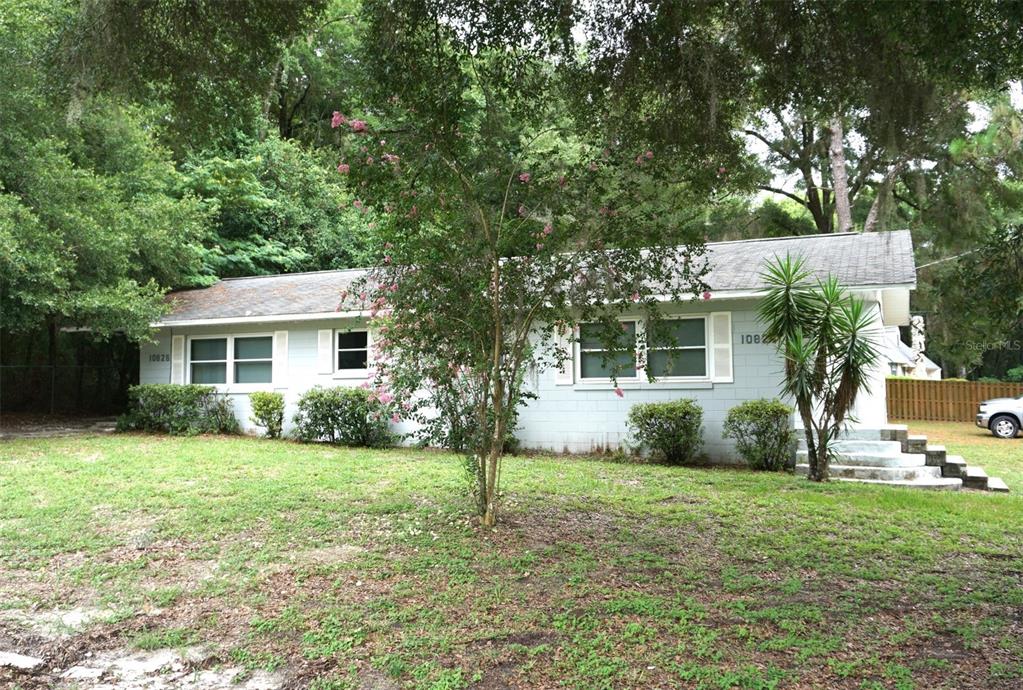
{"x":63,"y":389}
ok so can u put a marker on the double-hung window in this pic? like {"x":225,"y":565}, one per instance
{"x":352,"y":350}
{"x":231,"y":359}
{"x":596,"y":360}
{"x":253,"y":359}
{"x":208,"y":358}
{"x":679,"y":349}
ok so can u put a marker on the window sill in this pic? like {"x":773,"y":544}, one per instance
{"x":351,"y":374}
{"x":240,"y":388}
{"x":660,"y":384}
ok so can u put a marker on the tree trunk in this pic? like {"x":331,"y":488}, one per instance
{"x":51,"y":328}
{"x":813,"y":458}
{"x":839,"y":176}
{"x":275,"y":75}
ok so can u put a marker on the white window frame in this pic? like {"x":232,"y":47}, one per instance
{"x":578,"y":352}
{"x":706,"y":347}
{"x":340,"y":373}
{"x":230,"y":361}
{"x":268,"y":360}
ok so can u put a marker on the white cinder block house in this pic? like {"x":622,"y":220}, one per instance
{"x":282,"y":333}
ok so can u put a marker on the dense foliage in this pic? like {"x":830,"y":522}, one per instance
{"x":268,"y":411}
{"x":181,"y":410}
{"x":671,"y":431}
{"x":347,"y":416}
{"x":763,"y":433}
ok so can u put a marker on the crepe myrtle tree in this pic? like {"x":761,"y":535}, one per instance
{"x":491,"y":253}
{"x":829,"y":345}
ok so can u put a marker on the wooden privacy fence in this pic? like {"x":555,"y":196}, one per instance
{"x":943,"y":401}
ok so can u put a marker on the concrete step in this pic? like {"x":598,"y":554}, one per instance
{"x":878,"y":473}
{"x":859,"y":446}
{"x":894,"y":432}
{"x":954,"y":466}
{"x":871,"y":459}
{"x":938,"y":483}
{"x":915,"y":443}
{"x":996,"y":484}
{"x":975,"y":478}
{"x":889,"y":432}
{"x":936,"y":455}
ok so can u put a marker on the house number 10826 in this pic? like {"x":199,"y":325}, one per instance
{"x":750,"y":339}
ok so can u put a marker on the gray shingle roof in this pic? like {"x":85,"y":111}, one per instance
{"x":857,"y":260}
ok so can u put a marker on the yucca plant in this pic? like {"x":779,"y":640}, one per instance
{"x":828,"y":342}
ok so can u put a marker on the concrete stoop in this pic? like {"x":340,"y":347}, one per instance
{"x":890,"y":455}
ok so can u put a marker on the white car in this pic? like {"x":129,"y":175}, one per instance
{"x":1003,"y":416}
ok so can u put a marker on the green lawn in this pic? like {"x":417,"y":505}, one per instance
{"x":350,"y":569}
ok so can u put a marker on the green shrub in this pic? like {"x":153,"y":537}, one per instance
{"x":1015,"y":375}
{"x":349,"y":416}
{"x":763,"y":432}
{"x":989,"y":379}
{"x":670,"y":430}
{"x":268,"y":412}
{"x":178,"y":410}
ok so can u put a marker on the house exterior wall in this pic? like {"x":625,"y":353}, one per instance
{"x":585,"y":417}
{"x":575,"y":417}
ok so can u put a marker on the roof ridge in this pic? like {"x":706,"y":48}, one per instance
{"x":296,"y":273}
{"x":806,"y":237}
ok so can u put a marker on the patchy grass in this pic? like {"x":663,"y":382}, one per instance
{"x":348,"y":568}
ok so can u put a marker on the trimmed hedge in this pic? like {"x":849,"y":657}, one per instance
{"x":348,"y":416}
{"x":180,"y":410}
{"x":672,"y":431}
{"x":268,"y":412}
{"x":762,"y":431}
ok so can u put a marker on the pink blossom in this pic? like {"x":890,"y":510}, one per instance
{"x":522,"y":210}
{"x":639,"y":160}
{"x":706,"y":294}
{"x":386,"y":398}
{"x":387,"y":258}
{"x":357,"y":125}
{"x":388,"y":245}
{"x":539,"y":246}
{"x":369,"y":160}
{"x":395,"y":418}
{"x":619,"y":392}
{"x":524,"y":178}
{"x":648,"y":154}
{"x":635,"y":297}
{"x":413,"y":212}
{"x":343,"y":168}
{"x":548,"y":229}
{"x":357,"y":204}
{"x":362,"y":296}
{"x":337,"y":120}
{"x":722,"y":170}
